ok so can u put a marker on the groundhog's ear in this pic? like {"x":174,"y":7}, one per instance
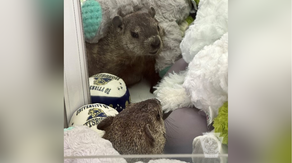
{"x":149,"y":134}
{"x":105,"y":123}
{"x":118,"y":22}
{"x":152,"y":11}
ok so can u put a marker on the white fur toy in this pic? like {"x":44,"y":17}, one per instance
{"x":204,"y":83}
{"x":210,"y":24}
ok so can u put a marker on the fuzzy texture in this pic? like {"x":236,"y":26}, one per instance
{"x":91,"y":17}
{"x":168,"y":13}
{"x":207,"y":79}
{"x":221,"y":123}
{"x":171,"y":93}
{"x":130,"y":49}
{"x":138,"y":129}
{"x":83,"y":141}
{"x":203,"y":80}
{"x":210,"y":24}
{"x":204,"y":83}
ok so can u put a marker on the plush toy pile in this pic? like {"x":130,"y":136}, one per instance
{"x":204,"y":83}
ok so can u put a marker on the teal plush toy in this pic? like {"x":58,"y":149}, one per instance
{"x":91,"y":17}
{"x":221,"y":123}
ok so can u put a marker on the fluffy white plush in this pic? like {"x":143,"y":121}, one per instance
{"x":83,"y":141}
{"x":207,"y":79}
{"x":169,"y":14}
{"x":210,"y":24}
{"x":205,"y":47}
{"x":171,"y":93}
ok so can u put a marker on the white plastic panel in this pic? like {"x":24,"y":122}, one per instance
{"x":76,"y":91}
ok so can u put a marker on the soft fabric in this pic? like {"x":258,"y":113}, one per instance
{"x":210,"y":24}
{"x":206,"y":81}
{"x":177,"y":89}
{"x":221,"y":123}
{"x":91,"y":17}
{"x":83,"y":141}
{"x":203,"y":85}
{"x":170,"y":91}
{"x":168,"y":13}
{"x":182,"y":126}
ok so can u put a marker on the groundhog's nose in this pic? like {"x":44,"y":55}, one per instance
{"x":156,"y":43}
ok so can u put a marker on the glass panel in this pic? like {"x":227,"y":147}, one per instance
{"x":195,"y":158}
{"x":130,"y":48}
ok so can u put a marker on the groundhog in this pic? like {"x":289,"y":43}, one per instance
{"x":130,"y":48}
{"x":138,"y":129}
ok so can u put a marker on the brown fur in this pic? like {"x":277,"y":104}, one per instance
{"x":124,"y":54}
{"x":138,"y":129}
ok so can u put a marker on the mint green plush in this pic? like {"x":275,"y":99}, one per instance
{"x":164,"y":71}
{"x":91,"y":17}
{"x":221,"y":122}
{"x":69,"y":128}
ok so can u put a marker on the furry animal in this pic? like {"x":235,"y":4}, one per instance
{"x":139,"y":129}
{"x":130,"y":48}
{"x":170,"y":14}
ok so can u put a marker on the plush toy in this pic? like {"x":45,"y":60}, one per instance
{"x":97,"y":16}
{"x":204,"y":83}
{"x":221,"y":123}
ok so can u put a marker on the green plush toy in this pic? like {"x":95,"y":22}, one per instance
{"x":221,"y":123}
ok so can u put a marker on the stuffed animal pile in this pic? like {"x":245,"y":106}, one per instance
{"x":204,"y":84}
{"x":204,"y":46}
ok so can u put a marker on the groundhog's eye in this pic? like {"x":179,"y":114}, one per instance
{"x":135,"y":34}
{"x":158,"y":28}
{"x":158,"y":116}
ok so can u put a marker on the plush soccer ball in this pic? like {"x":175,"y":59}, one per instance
{"x":91,"y":115}
{"x":110,"y":90}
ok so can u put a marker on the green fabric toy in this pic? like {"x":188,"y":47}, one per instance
{"x":221,"y":123}
{"x":91,"y":17}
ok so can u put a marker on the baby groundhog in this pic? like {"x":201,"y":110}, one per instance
{"x":130,"y":48}
{"x":138,"y":129}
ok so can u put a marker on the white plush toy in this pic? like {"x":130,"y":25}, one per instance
{"x":204,"y":83}
{"x":205,"y":47}
{"x":97,"y":15}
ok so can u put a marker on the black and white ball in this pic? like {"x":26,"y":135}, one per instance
{"x":91,"y":115}
{"x":110,"y":90}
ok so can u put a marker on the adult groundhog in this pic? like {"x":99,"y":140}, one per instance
{"x":130,"y":48}
{"x":138,"y":129}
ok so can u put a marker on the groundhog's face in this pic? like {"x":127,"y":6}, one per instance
{"x":139,"y":33}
